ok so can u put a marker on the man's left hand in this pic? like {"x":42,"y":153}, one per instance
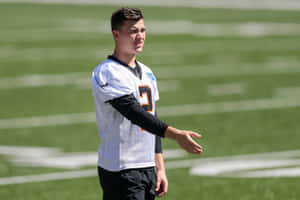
{"x":161,"y":183}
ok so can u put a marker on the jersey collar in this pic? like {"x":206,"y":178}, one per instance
{"x":137,"y":71}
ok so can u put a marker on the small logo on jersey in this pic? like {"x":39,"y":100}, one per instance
{"x":151,"y":76}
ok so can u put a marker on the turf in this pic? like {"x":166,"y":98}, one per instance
{"x":42,"y":39}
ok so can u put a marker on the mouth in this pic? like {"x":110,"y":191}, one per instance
{"x":139,"y":44}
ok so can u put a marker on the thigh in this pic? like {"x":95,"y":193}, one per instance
{"x":150,"y":176}
{"x":132,"y":184}
{"x":139,"y":184}
{"x":110,"y":184}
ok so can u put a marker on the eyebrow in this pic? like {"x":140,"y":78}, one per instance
{"x":133,"y":27}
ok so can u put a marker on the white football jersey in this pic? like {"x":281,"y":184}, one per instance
{"x":123,"y":145}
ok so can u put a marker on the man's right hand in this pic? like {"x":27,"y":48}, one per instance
{"x":185,"y":139}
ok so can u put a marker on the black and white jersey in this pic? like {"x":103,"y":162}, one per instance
{"x":123,"y":145}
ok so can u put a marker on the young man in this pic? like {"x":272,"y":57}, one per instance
{"x":130,"y":163}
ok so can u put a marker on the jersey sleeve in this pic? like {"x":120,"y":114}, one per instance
{"x":156,"y":97}
{"x":130,"y":108}
{"x":111,"y":83}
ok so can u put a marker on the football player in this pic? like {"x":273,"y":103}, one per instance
{"x":130,"y":159}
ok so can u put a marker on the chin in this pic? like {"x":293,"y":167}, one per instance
{"x":139,"y":50}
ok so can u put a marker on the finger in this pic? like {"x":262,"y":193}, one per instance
{"x":163,"y":190}
{"x":197,"y":150}
{"x":194,"y":144}
{"x":165,"y":187}
{"x":157,"y":185}
{"x":196,"y":135}
{"x":193,"y":147}
{"x":161,"y":194}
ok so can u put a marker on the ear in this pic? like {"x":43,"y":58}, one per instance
{"x":116,"y":34}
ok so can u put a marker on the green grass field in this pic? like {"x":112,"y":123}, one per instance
{"x":250,"y":85}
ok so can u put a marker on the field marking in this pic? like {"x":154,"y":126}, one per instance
{"x":48,"y":177}
{"x":37,"y":54}
{"x":52,"y":120}
{"x":79,"y":79}
{"x":248,"y":29}
{"x":247,"y":166}
{"x":222,"y":168}
{"x":233,"y":4}
{"x":165,"y":111}
{"x":287,"y":92}
{"x":233,"y":106}
{"x":287,"y":172}
{"x":241,"y":166}
{"x":226,"y":70}
{"x":38,"y":80}
{"x":82,"y":79}
{"x":225,"y":89}
{"x":54,"y":158}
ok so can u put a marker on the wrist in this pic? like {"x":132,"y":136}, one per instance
{"x":160,"y":170}
{"x":172,"y":133}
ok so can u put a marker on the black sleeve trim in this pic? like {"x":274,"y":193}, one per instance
{"x":129,"y":107}
{"x":158,"y":145}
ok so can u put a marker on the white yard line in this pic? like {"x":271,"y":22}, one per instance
{"x":175,"y":27}
{"x":250,"y":29}
{"x":287,"y":92}
{"x":39,"y":80}
{"x":222,"y":168}
{"x":226,"y":70}
{"x":8,"y":53}
{"x":48,"y":157}
{"x":285,"y":172}
{"x":223,"y":107}
{"x":237,"y":4}
{"x":55,"y":158}
{"x":165,"y":111}
{"x":229,"y":166}
{"x":63,"y":119}
{"x":48,"y":177}
{"x":225,"y":89}
{"x":162,"y":27}
{"x":79,"y":79}
{"x":249,"y":165}
{"x":82,"y":79}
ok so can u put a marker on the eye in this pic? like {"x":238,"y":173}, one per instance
{"x":143,"y":30}
{"x":133,"y":31}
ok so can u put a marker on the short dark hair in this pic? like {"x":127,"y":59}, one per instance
{"x":122,"y":14}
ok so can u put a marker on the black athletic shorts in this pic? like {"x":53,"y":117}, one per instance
{"x":129,"y":184}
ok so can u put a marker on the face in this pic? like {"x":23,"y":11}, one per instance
{"x":131,"y":37}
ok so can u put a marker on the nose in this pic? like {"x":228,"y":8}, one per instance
{"x":140,"y":35}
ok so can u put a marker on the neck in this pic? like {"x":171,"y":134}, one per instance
{"x":126,"y":58}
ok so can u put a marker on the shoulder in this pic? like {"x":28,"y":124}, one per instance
{"x":147,"y":71}
{"x":107,"y":70}
{"x":144,"y":67}
{"x":107,"y":66}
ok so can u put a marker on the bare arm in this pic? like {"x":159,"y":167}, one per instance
{"x":162,"y":181}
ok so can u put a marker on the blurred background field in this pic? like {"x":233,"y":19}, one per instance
{"x":231,"y":74}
